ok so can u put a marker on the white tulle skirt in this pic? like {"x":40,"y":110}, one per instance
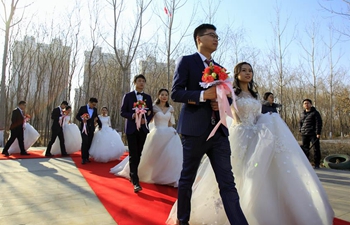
{"x":274,"y":179}
{"x":30,"y":136}
{"x":106,"y":145}
{"x":161,"y":160}
{"x":72,"y":140}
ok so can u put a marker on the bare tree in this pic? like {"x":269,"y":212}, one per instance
{"x":279,"y":53}
{"x":313,"y":57}
{"x":8,"y":16}
{"x":333,"y":41}
{"x":171,"y":8}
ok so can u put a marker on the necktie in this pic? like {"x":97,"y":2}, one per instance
{"x":207,"y":61}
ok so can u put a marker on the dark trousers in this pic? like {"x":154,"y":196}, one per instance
{"x":135,"y":145}
{"x":18,"y":133}
{"x":218,"y":150}
{"x":306,"y":139}
{"x":86,"y":143}
{"x":58,"y":132}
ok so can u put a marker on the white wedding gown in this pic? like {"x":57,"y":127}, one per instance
{"x":107,"y":144}
{"x":30,"y":136}
{"x":274,"y":179}
{"x":161,"y":160}
{"x":72,"y":138}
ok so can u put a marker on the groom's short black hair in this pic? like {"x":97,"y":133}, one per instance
{"x":201,"y":29}
{"x":139,"y":76}
{"x":64,"y":103}
{"x":93,"y":100}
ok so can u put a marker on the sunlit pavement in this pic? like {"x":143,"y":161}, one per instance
{"x":47,"y":192}
{"x":337,"y":185}
{"x":53,"y":191}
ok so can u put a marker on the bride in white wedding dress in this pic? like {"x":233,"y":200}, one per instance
{"x":30,"y":136}
{"x":161,"y":160}
{"x":275,"y":181}
{"x":71,"y":133}
{"x":107,"y":145}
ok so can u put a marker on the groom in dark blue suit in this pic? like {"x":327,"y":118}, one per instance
{"x":198,"y":117}
{"x":136,"y":137}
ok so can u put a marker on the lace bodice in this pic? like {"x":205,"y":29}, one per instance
{"x":162,"y":119}
{"x":249,"y":109}
{"x":105,"y":120}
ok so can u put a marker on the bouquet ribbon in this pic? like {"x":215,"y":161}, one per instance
{"x":222,"y":90}
{"x":138,"y":116}
{"x":84,"y":129}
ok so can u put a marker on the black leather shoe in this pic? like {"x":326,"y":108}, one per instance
{"x":183,"y":223}
{"x":48,"y":155}
{"x":65,"y":155}
{"x":83,"y":161}
{"x":6,"y":153}
{"x":137,"y":188}
{"x":25,"y":153}
{"x":88,"y":160}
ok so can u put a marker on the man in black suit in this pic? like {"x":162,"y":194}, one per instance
{"x":88,"y":134}
{"x":17,"y":121}
{"x":198,"y":117}
{"x":136,"y":137}
{"x":56,"y":129}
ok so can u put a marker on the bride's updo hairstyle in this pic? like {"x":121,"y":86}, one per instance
{"x":158,"y":100}
{"x":68,"y":107}
{"x":251,"y":85}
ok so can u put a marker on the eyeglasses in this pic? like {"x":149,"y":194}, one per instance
{"x":211,"y":35}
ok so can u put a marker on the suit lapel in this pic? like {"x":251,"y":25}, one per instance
{"x":198,"y":61}
{"x":134,"y":96}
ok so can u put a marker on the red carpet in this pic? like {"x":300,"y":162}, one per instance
{"x":151,"y":206}
{"x":340,"y":222}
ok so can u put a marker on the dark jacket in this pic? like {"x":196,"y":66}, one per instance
{"x":17,"y":120}
{"x":195,"y":116}
{"x":90,"y":122}
{"x":266,"y":107}
{"x":127,"y":110}
{"x":310,"y":122}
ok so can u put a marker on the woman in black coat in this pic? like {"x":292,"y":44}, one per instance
{"x":268,"y":104}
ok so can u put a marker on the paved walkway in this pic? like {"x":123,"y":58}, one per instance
{"x":47,"y":192}
{"x":52,"y":191}
{"x":337,"y":185}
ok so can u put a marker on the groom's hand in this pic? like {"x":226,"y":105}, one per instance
{"x":214,"y":105}
{"x":210,"y":93}
{"x":143,"y":121}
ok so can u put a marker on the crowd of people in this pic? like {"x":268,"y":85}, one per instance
{"x":263,"y":176}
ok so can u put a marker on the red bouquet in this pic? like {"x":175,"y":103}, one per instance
{"x":218,"y":76}
{"x":140,"y":104}
{"x":213,"y":73}
{"x":26,"y":118}
{"x":140,"y":108}
{"x":85,"y":117}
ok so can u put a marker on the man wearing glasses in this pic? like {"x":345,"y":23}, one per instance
{"x":198,"y":117}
